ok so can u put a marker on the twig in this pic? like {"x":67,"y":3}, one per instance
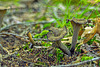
{"x":3,"y":49}
{"x":13,"y":55}
{"x":26,"y":24}
{"x":6,"y":56}
{"x":70,"y":65}
{"x":22,"y":37}
{"x":40,"y":47}
{"x":12,"y":8}
{"x":31,"y":39}
{"x":7,"y":27}
{"x":0,"y":59}
{"x":15,"y":35}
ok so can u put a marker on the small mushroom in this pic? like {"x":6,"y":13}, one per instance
{"x":55,"y":35}
{"x":2,"y":13}
{"x":76,"y":23}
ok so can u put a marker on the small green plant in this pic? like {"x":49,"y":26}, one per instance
{"x":84,"y":58}
{"x":44,"y":32}
{"x":15,"y":2}
{"x":79,"y":37}
{"x":39,"y":59}
{"x":30,"y":50}
{"x":97,"y":41}
{"x":18,"y":55}
{"x":29,"y":20}
{"x":99,"y":63}
{"x":78,"y":48}
{"x":59,"y":55}
{"x":91,"y":41}
{"x":45,"y":44}
{"x":37,"y":54}
{"x":26,"y":46}
{"x":37,"y":36}
{"x":50,"y":55}
{"x":9,"y":0}
{"x":91,"y":25}
{"x":46,"y":25}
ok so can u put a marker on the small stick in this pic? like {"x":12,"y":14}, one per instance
{"x":71,"y":65}
{"x":30,"y":38}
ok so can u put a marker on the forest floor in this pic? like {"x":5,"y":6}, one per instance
{"x":33,"y":17}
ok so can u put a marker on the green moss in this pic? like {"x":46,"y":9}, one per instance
{"x":26,"y":46}
{"x":59,"y":55}
{"x":91,"y":41}
{"x":44,"y":32}
{"x":84,"y":58}
{"x":18,"y":55}
{"x":78,"y":49}
{"x":79,"y":37}
{"x":97,"y":41}
{"x":46,"y":25}
{"x":30,"y":50}
{"x":37,"y":35}
{"x":45,"y":44}
{"x":50,"y":55}
{"x":9,"y":0}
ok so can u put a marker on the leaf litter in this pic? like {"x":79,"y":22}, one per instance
{"x":15,"y":50}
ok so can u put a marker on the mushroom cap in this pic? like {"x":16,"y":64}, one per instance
{"x":2,"y":12}
{"x":78,"y":21}
{"x":4,"y":8}
{"x":56,"y":34}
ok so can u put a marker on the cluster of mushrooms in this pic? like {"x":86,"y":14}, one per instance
{"x":55,"y":35}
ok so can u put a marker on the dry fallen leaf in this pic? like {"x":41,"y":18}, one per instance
{"x":91,"y":34}
{"x":93,"y":31}
{"x":87,"y":31}
{"x":69,"y":40}
{"x":98,"y":25}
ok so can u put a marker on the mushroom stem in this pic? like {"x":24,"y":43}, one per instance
{"x":76,"y":28}
{"x":2,"y":13}
{"x":63,"y":48}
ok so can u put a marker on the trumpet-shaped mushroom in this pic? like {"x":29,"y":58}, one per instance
{"x":2,"y":13}
{"x":76,"y":23}
{"x":55,"y":35}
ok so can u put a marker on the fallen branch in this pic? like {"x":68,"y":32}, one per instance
{"x":81,"y":63}
{"x":22,"y":37}
{"x":25,"y":23}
